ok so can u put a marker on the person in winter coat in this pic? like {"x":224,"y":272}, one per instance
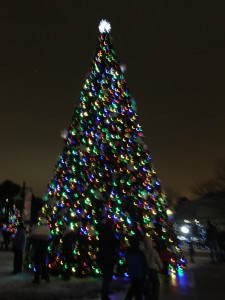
{"x":68,"y":242}
{"x":107,"y":255}
{"x":137,"y":269}
{"x":19,"y":244}
{"x":155,"y":265}
{"x":39,"y":238}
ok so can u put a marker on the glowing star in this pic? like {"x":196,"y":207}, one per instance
{"x":104,"y":26}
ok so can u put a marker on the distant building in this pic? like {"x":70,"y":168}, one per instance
{"x":210,"y":207}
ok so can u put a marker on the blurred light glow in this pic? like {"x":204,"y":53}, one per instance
{"x":104,"y":26}
{"x":184,"y":229}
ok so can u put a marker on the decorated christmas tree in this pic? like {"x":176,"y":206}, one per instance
{"x":105,"y":171}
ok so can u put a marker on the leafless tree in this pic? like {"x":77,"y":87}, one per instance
{"x":213,"y":185}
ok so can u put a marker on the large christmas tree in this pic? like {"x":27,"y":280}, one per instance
{"x":105,"y":172}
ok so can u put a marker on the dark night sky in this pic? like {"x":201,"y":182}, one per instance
{"x":174,"y":52}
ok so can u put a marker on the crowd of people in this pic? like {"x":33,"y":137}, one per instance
{"x":143,"y":261}
{"x":29,"y":244}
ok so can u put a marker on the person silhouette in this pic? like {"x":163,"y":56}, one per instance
{"x":68,"y":241}
{"x":19,"y":244}
{"x":39,"y":238}
{"x":107,"y":255}
{"x":155,"y":265}
{"x":137,"y":268}
{"x":6,"y":234}
{"x":212,"y":241}
{"x":191,"y":251}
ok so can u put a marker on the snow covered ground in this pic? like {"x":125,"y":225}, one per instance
{"x":20,"y":286}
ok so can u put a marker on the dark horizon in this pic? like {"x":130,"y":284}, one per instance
{"x":174,"y":55}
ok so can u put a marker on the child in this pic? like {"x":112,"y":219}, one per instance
{"x":137,"y":269}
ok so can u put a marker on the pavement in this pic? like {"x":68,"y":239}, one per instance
{"x":20,"y":286}
{"x":179,"y":287}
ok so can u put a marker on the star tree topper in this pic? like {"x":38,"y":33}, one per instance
{"x":104,"y":26}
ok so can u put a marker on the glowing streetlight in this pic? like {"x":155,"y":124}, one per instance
{"x":185,"y":229}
